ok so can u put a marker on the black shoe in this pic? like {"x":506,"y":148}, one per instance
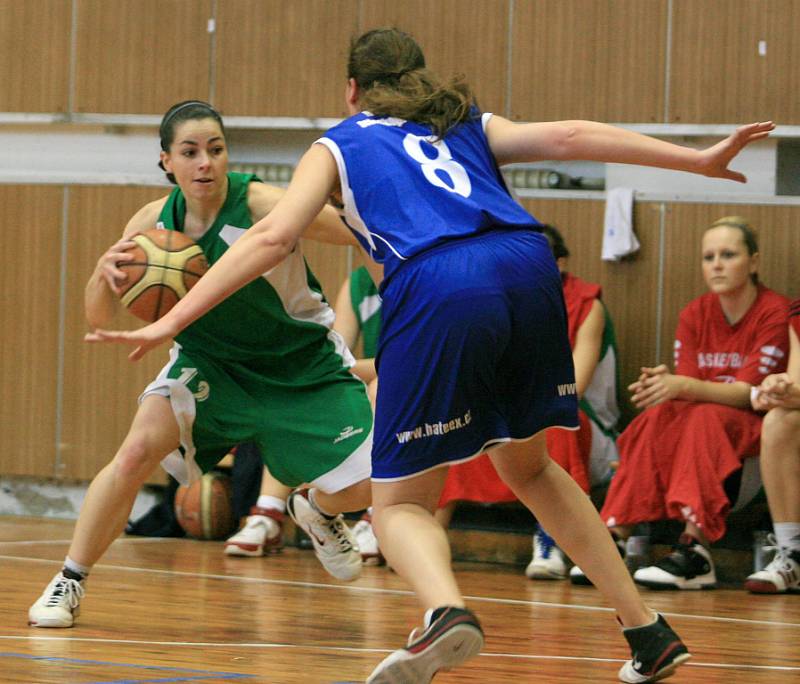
{"x":656,"y":652}
{"x":453,"y":636}
{"x":689,"y":566}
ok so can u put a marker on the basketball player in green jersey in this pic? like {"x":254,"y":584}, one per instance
{"x":264,"y":367}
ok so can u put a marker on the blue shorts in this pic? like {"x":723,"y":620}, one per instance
{"x":473,"y":352}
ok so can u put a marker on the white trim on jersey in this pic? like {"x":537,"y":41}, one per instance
{"x":352,"y":216}
{"x":181,"y":466}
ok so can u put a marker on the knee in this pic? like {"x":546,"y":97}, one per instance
{"x":780,"y":429}
{"x":523,"y":471}
{"x":134,"y":461}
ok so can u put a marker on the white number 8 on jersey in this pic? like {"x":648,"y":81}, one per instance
{"x":443,"y":162}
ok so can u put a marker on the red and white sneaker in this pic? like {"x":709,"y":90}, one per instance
{"x":262,"y":533}
{"x":781,"y":576}
{"x":368,"y":542}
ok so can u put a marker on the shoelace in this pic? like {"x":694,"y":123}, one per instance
{"x":783,"y":563}
{"x":69,"y":590}
{"x":772,"y":544}
{"x":546,"y":542}
{"x":337,"y":527}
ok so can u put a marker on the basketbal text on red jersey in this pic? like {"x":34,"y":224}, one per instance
{"x":708,"y":347}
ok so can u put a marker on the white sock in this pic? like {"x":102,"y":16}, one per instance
{"x":77,"y":568}
{"x":787,"y":535}
{"x":273,"y":502}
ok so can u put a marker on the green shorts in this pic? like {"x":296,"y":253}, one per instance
{"x":315,"y":431}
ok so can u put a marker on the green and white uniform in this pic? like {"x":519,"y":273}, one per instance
{"x":366,"y":304}
{"x":264,"y":366}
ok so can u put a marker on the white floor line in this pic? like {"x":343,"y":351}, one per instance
{"x":354,"y":649}
{"x":396,"y":592}
{"x":126,"y":540}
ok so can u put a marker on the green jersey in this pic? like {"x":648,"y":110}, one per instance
{"x":280,"y":323}
{"x":264,"y":366}
{"x":366,"y":303}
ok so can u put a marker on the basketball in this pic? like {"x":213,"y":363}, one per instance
{"x":203,"y":509}
{"x":166,"y":265}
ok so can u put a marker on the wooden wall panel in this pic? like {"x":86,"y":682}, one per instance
{"x":141,"y":56}
{"x":630,"y":287}
{"x":283,"y":59}
{"x":457,"y":36}
{"x":779,"y":244}
{"x":718,"y":75}
{"x":30,"y":280}
{"x":34,"y":55}
{"x":101,"y":385}
{"x":589,"y":59}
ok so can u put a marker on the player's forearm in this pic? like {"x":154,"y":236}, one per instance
{"x":365,"y":369}
{"x":736,"y":394}
{"x":592,"y":140}
{"x":255,"y":253}
{"x":100,"y":303}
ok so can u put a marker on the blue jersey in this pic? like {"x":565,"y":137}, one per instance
{"x":405,"y":192}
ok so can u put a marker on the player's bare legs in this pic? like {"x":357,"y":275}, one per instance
{"x":153,"y":434}
{"x":566,"y":512}
{"x":109,"y":500}
{"x":352,"y":498}
{"x":422,"y":558}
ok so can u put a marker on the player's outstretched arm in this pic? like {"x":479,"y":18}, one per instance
{"x":261,"y":248}
{"x":593,"y":141}
{"x":326,"y":227}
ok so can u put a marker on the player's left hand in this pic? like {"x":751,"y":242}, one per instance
{"x":656,"y":388}
{"x":143,"y":340}
{"x":715,"y":159}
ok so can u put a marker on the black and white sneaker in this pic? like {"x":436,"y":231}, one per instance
{"x":656,"y":651}
{"x":450,"y":636}
{"x":689,"y":566}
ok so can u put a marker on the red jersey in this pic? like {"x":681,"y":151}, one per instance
{"x":579,"y":297}
{"x":707,"y":347}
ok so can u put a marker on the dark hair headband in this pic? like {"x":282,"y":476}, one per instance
{"x":190,"y":103}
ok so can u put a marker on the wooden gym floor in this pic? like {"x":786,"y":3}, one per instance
{"x":174,"y":610}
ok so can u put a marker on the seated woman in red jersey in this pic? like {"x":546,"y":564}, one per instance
{"x":779,"y":395}
{"x":698,"y":425}
{"x":588,"y":453}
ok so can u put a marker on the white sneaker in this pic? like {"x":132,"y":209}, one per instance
{"x":782,"y":575}
{"x":261,"y":534}
{"x":689,"y":566}
{"x":334,"y":543}
{"x":548,"y":560}
{"x":367,"y":542}
{"x":578,"y":576}
{"x":58,"y":606}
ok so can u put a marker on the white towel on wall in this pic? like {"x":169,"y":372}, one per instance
{"x":619,"y":239}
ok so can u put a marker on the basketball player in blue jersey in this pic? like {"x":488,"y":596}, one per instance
{"x":473,"y":353}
